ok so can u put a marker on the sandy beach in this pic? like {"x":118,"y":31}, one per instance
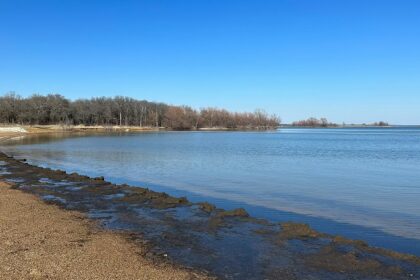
{"x":42,"y":241}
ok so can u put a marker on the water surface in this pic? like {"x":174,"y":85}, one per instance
{"x":361,"y":183}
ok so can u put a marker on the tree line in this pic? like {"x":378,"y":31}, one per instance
{"x":380,"y":123}
{"x":323,"y":122}
{"x":314,"y":122}
{"x":56,"y":109}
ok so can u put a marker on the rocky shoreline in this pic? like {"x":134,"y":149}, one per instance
{"x":226,"y":244}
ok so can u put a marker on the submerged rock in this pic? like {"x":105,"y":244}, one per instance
{"x":331,"y":259}
{"x":239,"y":212}
{"x":217,"y":220}
{"x":344,"y":241}
{"x":292,"y":230}
{"x":207,"y":207}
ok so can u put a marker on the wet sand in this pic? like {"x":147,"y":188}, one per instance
{"x":42,"y":241}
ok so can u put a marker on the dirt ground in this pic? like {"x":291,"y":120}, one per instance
{"x":42,"y":241}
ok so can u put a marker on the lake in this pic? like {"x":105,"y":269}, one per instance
{"x":363,"y":183}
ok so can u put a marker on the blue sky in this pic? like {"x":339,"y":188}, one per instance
{"x":350,"y":61}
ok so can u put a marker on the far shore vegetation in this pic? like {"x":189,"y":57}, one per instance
{"x":314,"y":122}
{"x":323,"y":122}
{"x":53,"y":109}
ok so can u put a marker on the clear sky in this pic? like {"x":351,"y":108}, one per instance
{"x":347,"y":60}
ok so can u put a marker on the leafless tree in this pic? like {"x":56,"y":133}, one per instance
{"x":56,"y":109}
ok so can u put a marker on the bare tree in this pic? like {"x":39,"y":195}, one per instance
{"x":56,"y":109}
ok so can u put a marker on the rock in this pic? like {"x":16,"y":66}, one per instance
{"x":239,"y":212}
{"x":207,"y":207}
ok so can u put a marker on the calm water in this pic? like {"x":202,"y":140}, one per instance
{"x":361,"y":183}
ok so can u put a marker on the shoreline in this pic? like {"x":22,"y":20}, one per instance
{"x":8,"y":131}
{"x":56,"y":128}
{"x":217,"y":220}
{"x":43,"y":241}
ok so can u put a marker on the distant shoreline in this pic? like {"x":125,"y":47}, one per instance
{"x":351,"y":126}
{"x":13,"y":130}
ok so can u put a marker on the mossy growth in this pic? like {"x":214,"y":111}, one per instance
{"x":238,"y":212}
{"x":217,"y":220}
{"x":290,"y":230}
{"x":329,"y":259}
{"x":393,"y":254}
{"x":364,"y":247}
{"x":206,"y":207}
{"x":340,"y":240}
{"x":153,"y":199}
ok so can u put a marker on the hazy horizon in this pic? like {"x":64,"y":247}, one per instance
{"x":347,"y":61}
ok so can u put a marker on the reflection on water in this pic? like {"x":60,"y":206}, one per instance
{"x":364,"y":177}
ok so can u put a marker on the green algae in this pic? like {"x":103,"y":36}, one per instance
{"x":238,"y":212}
{"x":218,"y":217}
{"x":206,"y":207}
{"x":153,"y":199}
{"x":291,"y":230}
{"x":330,"y":259}
{"x":340,"y":240}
